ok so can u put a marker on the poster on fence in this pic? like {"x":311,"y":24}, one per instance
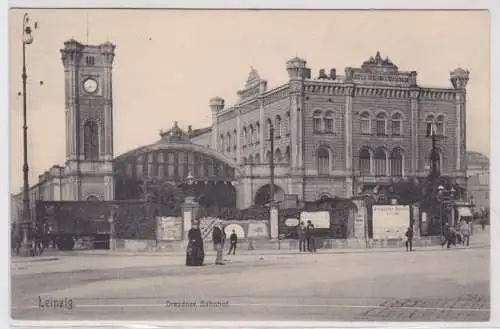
{"x":169,"y":228}
{"x":244,"y":229}
{"x":320,"y":219}
{"x":390,"y":222}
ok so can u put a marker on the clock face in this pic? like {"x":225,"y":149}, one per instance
{"x":90,"y":85}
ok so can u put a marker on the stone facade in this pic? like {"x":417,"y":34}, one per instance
{"x":336,"y":135}
{"x":478,"y":180}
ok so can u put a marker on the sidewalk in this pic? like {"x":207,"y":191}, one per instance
{"x":265,"y":252}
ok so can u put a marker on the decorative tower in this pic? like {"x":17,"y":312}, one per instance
{"x":459,"y":79}
{"x":297,"y":72}
{"x":216,"y":106}
{"x":89,"y":120}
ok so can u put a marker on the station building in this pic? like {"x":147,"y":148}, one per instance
{"x":334,"y":135}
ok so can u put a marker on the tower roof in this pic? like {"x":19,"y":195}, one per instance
{"x":175,"y":135}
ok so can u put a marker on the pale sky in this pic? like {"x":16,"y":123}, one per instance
{"x":169,"y":63}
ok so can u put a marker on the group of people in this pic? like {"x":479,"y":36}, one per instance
{"x":40,"y":240}
{"x":451,"y":235}
{"x":305,"y":234}
{"x":195,"y":250}
{"x":460,"y":234}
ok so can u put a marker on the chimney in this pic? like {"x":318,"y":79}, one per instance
{"x":322,"y":74}
{"x":333,"y":74}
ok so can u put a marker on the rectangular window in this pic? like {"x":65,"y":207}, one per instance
{"x":170,"y":165}
{"x":396,"y":128}
{"x":381,"y":128}
{"x":150,"y":165}
{"x":317,"y":125}
{"x":323,"y":165}
{"x":439,"y":129}
{"x":161,"y":170}
{"x":329,"y":125}
{"x":365,"y":127}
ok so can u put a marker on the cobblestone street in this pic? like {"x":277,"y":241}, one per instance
{"x":426,"y":285}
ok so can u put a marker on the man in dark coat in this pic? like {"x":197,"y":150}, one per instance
{"x":218,"y":240}
{"x":310,"y":237}
{"x":233,"y":238}
{"x":195,"y":252}
{"x":409,"y":239}
{"x":301,"y":236}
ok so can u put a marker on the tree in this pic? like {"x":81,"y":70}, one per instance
{"x":162,"y":197}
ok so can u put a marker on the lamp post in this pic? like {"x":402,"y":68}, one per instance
{"x":112,"y":230}
{"x":26,"y":249}
{"x":271,"y":164}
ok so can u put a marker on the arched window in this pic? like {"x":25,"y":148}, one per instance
{"x":397,"y":124}
{"x":91,"y":140}
{"x":257,"y":158}
{"x":329,"y":128}
{"x":245,"y":136}
{"x":229,"y":140}
{"x":268,"y":128}
{"x":396,"y":162}
{"x":365,"y":159}
{"x":245,"y":160}
{"x":235,"y":139}
{"x":317,"y":122}
{"x":251,"y":133}
{"x":381,"y":124}
{"x":323,"y":161}
{"x":277,"y":127}
{"x":287,"y":154}
{"x":440,"y":130}
{"x":268,"y":156}
{"x":277,"y":156}
{"x":429,"y":125}
{"x":257,"y":132}
{"x":250,"y":159}
{"x":366,"y":128}
{"x":287,"y":124}
{"x":92,"y":198}
{"x":380,"y":162}
{"x":221,"y":143}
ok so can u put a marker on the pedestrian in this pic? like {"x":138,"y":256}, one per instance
{"x":195,"y":254}
{"x":465,"y":231}
{"x":409,"y":239}
{"x":301,"y":235}
{"x":311,"y":247}
{"x":218,"y":240}
{"x":449,"y":236}
{"x":233,"y":238}
{"x":38,"y":241}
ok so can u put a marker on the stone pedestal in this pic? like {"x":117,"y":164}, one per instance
{"x":273,"y":221}
{"x":189,"y":209}
{"x":360,"y":219}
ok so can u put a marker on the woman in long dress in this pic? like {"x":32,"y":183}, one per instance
{"x":195,"y":254}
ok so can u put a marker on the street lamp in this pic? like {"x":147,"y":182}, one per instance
{"x":190,"y":181}
{"x":26,"y":249}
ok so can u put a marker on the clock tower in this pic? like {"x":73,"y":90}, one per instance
{"x":89,"y":121}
